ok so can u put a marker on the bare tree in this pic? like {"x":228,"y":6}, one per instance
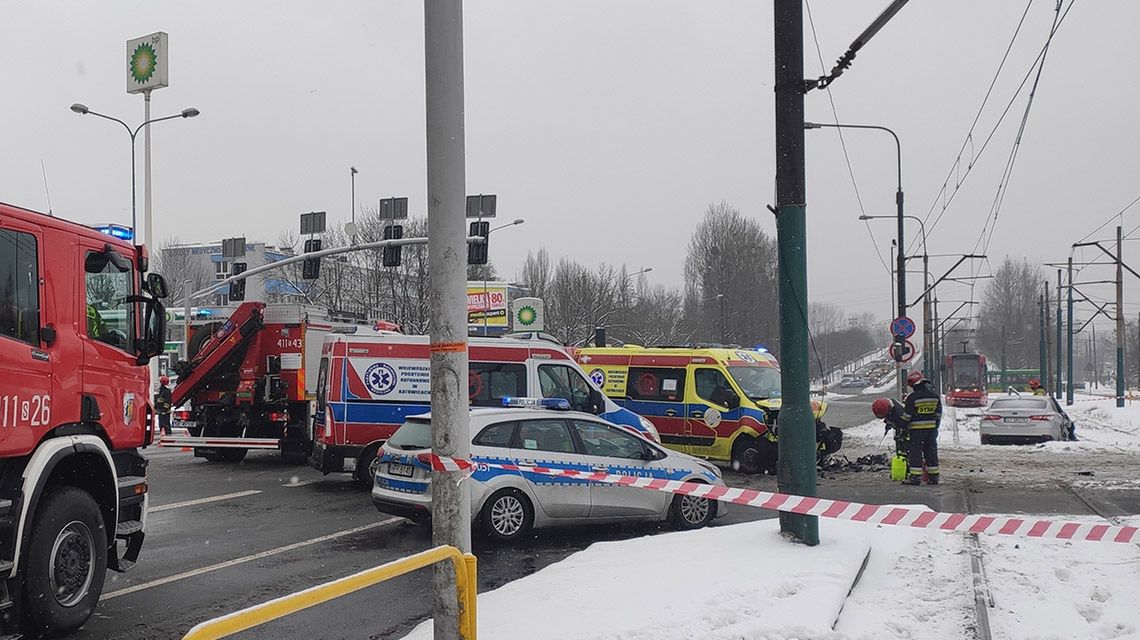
{"x":730,"y":274}
{"x":179,"y":267}
{"x":1009,"y":315}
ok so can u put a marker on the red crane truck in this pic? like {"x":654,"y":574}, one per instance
{"x":247,"y":383}
{"x":79,"y":321}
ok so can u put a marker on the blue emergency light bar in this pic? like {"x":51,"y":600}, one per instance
{"x":558,"y":404}
{"x":116,"y":231}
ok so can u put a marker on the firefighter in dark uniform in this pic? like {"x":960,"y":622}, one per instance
{"x":922,"y":412}
{"x":162,"y":401}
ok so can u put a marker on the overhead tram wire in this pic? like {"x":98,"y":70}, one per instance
{"x":843,"y":144}
{"x":1003,"y":187}
{"x":985,"y":100}
{"x":973,"y":162}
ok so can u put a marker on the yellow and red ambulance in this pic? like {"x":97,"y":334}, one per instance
{"x":716,"y":403}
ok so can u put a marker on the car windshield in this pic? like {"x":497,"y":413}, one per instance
{"x":413,"y":434}
{"x":758,"y":383}
{"x":1020,"y":403}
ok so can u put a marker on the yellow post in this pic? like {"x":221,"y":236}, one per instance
{"x":471,"y":597}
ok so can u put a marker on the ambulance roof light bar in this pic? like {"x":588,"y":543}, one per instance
{"x":557,"y":404}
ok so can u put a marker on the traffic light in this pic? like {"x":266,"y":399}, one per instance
{"x":237,"y":287}
{"x":390,"y":256}
{"x":477,"y":251}
{"x":311,"y":267}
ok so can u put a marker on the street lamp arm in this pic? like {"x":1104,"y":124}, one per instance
{"x":898,"y":145}
{"x":152,"y":121}
{"x":112,"y":119}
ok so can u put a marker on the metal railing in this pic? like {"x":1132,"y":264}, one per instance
{"x":466,"y":589}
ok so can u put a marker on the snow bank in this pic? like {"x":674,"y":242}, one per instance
{"x":727,"y":582}
{"x":1056,"y":589}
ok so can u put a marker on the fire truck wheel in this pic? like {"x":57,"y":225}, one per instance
{"x":366,"y":467}
{"x":225,"y":455}
{"x":67,"y":561}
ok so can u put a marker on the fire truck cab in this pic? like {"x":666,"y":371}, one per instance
{"x":79,"y":321}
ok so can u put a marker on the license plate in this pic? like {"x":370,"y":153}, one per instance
{"x":182,"y":424}
{"x":1017,"y":419}
{"x":398,"y":469}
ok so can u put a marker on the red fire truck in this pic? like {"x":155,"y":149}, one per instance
{"x":966,"y":380}
{"x":79,"y":320}
{"x":250,"y":381}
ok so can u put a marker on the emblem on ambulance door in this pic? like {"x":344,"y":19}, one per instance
{"x":380,"y":378}
{"x":599,"y":377}
{"x":712,"y":418}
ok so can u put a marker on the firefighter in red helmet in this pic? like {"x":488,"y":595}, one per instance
{"x":1035,"y":387}
{"x":922,"y":412}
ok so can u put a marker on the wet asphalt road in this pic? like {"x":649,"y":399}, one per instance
{"x":222,"y":537}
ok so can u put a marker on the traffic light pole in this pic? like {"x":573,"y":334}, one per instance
{"x":447,"y":262}
{"x":1057,"y":388}
{"x":797,"y":457}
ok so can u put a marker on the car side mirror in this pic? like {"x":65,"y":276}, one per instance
{"x":47,"y":334}
{"x":732,"y":401}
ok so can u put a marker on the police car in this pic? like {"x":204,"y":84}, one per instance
{"x":507,"y":504}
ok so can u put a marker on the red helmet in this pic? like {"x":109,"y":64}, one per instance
{"x":914,"y":377}
{"x":881,"y":407}
{"x":163,"y":380}
{"x":1034,"y":383}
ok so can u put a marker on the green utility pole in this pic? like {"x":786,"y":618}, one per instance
{"x":1042,"y":356}
{"x":1069,"y":346}
{"x":1119,"y":321}
{"x":796,"y":467}
{"x":1003,"y":384}
{"x":1057,"y":388}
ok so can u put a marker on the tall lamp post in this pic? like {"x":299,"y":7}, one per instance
{"x":82,"y":110}
{"x":352,"y":220}
{"x":486,"y":301}
{"x":190,"y":112}
{"x":927,"y":340}
{"x":901,"y":258}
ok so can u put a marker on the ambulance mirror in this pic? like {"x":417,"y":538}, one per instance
{"x":732,"y":401}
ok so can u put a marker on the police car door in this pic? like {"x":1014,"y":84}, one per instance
{"x":610,"y":449}
{"x":548,"y":443}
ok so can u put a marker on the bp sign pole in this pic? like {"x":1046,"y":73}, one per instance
{"x":147,"y":70}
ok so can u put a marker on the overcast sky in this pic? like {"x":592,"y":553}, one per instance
{"x":608,"y":125}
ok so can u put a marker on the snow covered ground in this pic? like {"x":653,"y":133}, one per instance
{"x":1107,"y":452}
{"x":744,"y":582}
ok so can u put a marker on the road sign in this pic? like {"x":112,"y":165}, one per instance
{"x":312,"y":223}
{"x":907,"y":354}
{"x":233,"y":247}
{"x":394,"y":208}
{"x":481,"y":206}
{"x":902,"y":326}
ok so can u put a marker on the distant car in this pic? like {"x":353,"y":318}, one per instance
{"x":1024,"y":419}
{"x":854,"y":383}
{"x":508,"y":504}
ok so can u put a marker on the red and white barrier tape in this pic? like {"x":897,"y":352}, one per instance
{"x":838,"y":509}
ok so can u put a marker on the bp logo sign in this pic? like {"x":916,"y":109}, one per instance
{"x":527,"y":315}
{"x":144,"y":61}
{"x":380,"y":379}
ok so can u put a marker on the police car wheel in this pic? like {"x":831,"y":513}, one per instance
{"x":507,"y":515}
{"x":691,"y":512}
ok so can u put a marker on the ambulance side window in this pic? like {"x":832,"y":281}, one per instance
{"x":19,"y":287}
{"x":323,"y":385}
{"x":656,"y":384}
{"x":712,"y":386}
{"x":489,"y":382}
